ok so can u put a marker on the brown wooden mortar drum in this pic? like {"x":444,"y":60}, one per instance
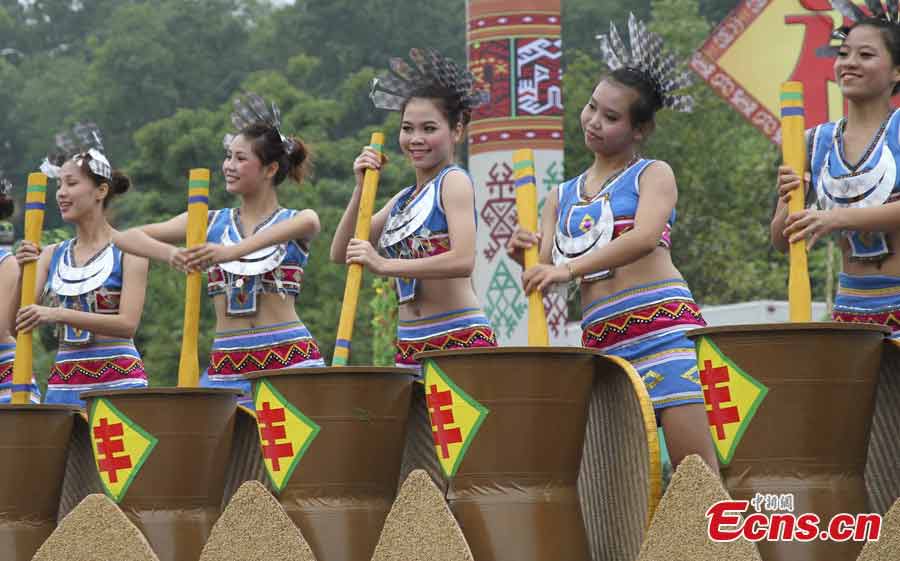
{"x":176,"y":497}
{"x":810,"y":434}
{"x":33,"y":443}
{"x":514,"y":493}
{"x":343,"y":487}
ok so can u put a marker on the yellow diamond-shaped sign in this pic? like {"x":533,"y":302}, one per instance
{"x":455,"y":417}
{"x":285,"y":433}
{"x":732,"y":397}
{"x":742,"y":63}
{"x":120,"y":447}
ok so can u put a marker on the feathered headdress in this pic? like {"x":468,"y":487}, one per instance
{"x":82,"y":143}
{"x":251,"y":109}
{"x":647,"y":57}
{"x":887,"y":11}
{"x":430,"y":68}
{"x":6,"y":187}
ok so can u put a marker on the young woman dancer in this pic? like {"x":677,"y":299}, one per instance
{"x":426,"y":232}
{"x":853,"y":174}
{"x":95,"y":292}
{"x":254,"y":256}
{"x":610,"y":227}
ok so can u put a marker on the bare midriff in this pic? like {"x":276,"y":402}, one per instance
{"x":657,"y":266}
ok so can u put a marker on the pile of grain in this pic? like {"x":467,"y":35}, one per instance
{"x":887,"y":548}
{"x":254,"y":527}
{"x":96,"y":530}
{"x":679,"y":528}
{"x":420,"y":526}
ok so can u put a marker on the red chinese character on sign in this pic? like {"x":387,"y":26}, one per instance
{"x":109,"y":443}
{"x":715,"y":396}
{"x":270,"y":433}
{"x":440,"y":418}
{"x":814,"y":70}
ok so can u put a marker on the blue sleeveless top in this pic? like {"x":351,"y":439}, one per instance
{"x":276,"y":269}
{"x":94,"y":287}
{"x":586,"y":224}
{"x":416,"y":228}
{"x":871,"y":182}
{"x":4,"y":253}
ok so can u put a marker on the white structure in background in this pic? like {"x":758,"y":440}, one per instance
{"x":757,"y":311}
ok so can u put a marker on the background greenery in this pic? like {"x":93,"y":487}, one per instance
{"x":158,"y":76}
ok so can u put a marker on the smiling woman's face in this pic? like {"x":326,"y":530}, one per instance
{"x":77,"y":193}
{"x":864,"y":68}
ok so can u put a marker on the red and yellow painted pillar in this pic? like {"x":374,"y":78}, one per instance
{"x":515,"y":53}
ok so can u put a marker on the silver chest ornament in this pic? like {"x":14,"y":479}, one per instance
{"x":862,"y":189}
{"x":404,"y":232}
{"x":76,"y":288}
{"x":406,"y":222}
{"x":242,"y":276}
{"x":600,"y":233}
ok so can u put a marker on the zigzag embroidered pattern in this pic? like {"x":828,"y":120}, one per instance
{"x":464,"y":338}
{"x":886,"y":318}
{"x":6,"y":371}
{"x":97,"y":369}
{"x":621,"y":324}
{"x":239,"y":362}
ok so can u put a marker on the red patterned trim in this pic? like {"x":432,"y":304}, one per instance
{"x":240,"y":363}
{"x":461,"y":339}
{"x":637,"y":323}
{"x":485,"y":21}
{"x":512,"y":135}
{"x":888,"y":319}
{"x":6,"y":370}
{"x":96,"y":371}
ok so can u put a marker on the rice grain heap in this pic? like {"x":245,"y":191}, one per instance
{"x":887,"y":548}
{"x":679,"y":528}
{"x":255,"y":527}
{"x":96,"y":530}
{"x":420,"y":526}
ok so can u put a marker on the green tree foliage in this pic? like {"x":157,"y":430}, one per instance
{"x":159,"y":76}
{"x":384,"y":322}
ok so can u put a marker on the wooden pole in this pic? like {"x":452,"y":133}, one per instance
{"x":35,"y":201}
{"x":354,"y":272}
{"x":198,"y":206}
{"x":793,"y":150}
{"x":526,"y":207}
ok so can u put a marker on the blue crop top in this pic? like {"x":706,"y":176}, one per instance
{"x":587,"y":224}
{"x":871,"y":182}
{"x":416,"y":227}
{"x":93,"y":287}
{"x":276,"y":269}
